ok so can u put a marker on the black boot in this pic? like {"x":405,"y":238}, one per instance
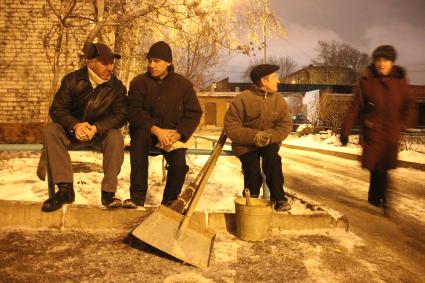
{"x":110,"y":201}
{"x":65,"y":194}
{"x":282,"y":205}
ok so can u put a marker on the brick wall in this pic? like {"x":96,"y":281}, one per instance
{"x":25,"y":72}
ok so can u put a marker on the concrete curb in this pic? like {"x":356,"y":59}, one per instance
{"x":26,"y":214}
{"x":353,"y":156}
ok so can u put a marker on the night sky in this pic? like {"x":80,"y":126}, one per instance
{"x":364,"y":24}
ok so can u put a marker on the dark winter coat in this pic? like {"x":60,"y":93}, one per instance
{"x":76,"y":101}
{"x":385,"y":107}
{"x":252,"y":111}
{"x":169,"y":103}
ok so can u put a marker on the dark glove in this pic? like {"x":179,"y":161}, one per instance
{"x":262,"y":139}
{"x":343,"y":139}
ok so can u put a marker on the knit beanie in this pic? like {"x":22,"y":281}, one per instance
{"x":385,"y":51}
{"x":160,"y":50}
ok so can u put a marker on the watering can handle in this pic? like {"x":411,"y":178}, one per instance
{"x":248,"y":197}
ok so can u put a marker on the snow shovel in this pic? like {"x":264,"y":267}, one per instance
{"x":175,"y":233}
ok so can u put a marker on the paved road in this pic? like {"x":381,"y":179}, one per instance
{"x":341,"y":184}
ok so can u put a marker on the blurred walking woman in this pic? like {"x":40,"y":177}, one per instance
{"x":385,"y":107}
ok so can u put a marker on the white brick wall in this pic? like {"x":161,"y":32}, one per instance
{"x":25,"y":73}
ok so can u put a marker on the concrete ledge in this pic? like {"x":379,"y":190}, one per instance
{"x":94,"y":217}
{"x":28,"y":214}
{"x":24,"y":214}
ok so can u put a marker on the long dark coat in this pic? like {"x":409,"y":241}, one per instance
{"x":169,"y":103}
{"x":385,"y":107}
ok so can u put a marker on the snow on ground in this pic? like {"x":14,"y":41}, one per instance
{"x":18,"y":180}
{"x":328,"y":141}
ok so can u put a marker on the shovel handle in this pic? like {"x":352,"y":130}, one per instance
{"x":248,"y":197}
{"x":203,"y":181}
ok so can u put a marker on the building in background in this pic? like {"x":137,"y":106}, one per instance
{"x":322,"y":75}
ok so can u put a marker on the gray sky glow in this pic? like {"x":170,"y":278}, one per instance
{"x":363,"y":24}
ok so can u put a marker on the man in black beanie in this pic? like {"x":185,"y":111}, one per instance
{"x":163,"y":111}
{"x":257,"y":121}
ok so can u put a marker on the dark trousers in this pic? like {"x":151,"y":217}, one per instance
{"x":378,"y":185}
{"x":57,"y":143}
{"x":272,"y":168}
{"x":141,"y":142}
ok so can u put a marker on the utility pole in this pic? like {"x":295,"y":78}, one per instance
{"x":264,"y":18}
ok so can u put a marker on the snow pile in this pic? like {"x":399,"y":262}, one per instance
{"x":18,"y":180}
{"x":328,"y":141}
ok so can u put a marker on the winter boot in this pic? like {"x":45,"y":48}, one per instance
{"x":110,"y":201}
{"x":282,"y":205}
{"x":136,"y":199}
{"x":65,"y":194}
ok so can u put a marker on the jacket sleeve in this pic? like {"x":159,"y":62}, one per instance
{"x":233,"y":124}
{"x":138,"y":114}
{"x":192,"y":113}
{"x":282,"y":126}
{"x":118,"y":116}
{"x":353,"y":111}
{"x":409,"y":107}
{"x":60,"y":110}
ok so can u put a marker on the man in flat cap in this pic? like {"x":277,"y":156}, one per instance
{"x":87,"y":111}
{"x":163,"y":111}
{"x":257,"y":121}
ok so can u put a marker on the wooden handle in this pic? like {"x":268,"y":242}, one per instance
{"x":203,"y":181}
{"x":248,"y":197}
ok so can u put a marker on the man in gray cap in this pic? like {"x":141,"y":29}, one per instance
{"x":163,"y":111}
{"x":87,"y":111}
{"x":257,"y":121}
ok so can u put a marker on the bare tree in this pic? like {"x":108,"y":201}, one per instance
{"x":198,"y":31}
{"x":337,"y":57}
{"x":56,"y":39}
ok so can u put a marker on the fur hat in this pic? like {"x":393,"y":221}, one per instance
{"x":101,"y":51}
{"x":262,"y":70}
{"x":385,"y":51}
{"x":161,"y":50}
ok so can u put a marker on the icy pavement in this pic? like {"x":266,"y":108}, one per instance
{"x":303,"y":256}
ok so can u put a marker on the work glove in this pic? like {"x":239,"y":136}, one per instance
{"x":262,"y":139}
{"x":343,"y":139}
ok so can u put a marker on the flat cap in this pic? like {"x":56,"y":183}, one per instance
{"x":262,"y":70}
{"x":101,"y":51}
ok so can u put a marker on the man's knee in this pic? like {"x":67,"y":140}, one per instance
{"x":114,"y":138}
{"x":178,"y":160}
{"x":271,"y":152}
{"x":53,"y":129}
{"x":139,"y":136}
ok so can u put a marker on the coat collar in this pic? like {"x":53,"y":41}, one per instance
{"x":83,"y":75}
{"x":170,"y":70}
{"x":371,"y":72}
{"x":260,"y":92}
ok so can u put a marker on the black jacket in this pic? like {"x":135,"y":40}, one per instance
{"x":170,"y":103}
{"x":76,"y":101}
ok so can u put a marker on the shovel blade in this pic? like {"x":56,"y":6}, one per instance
{"x":159,"y":230}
